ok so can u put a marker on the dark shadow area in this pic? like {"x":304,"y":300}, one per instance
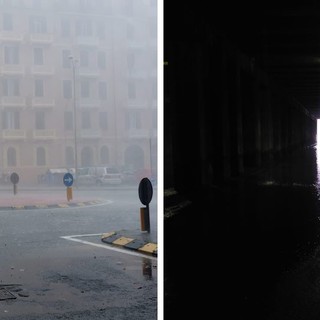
{"x":227,"y":250}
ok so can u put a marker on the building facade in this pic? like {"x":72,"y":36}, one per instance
{"x":78,"y":83}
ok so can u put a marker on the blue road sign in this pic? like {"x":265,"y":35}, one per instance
{"x":68,"y":179}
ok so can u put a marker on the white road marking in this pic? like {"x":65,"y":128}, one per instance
{"x":105,"y":246}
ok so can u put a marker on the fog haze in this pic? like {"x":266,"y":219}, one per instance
{"x":78,"y":88}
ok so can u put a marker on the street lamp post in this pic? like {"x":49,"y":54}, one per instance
{"x":74,"y":61}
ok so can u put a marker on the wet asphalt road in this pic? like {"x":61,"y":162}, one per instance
{"x":256,"y":243}
{"x":45,"y":276}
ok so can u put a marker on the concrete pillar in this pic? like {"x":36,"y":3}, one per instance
{"x":204,"y":118}
{"x":225,"y":119}
{"x":238,"y":108}
{"x":257,"y":110}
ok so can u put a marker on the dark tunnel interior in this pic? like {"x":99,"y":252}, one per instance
{"x":241,"y":167}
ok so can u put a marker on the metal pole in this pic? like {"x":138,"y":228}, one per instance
{"x":150,"y":150}
{"x":75,"y":121}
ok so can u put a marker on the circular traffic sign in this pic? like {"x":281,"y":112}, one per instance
{"x":14,"y":178}
{"x":68,"y":179}
{"x":145,"y":191}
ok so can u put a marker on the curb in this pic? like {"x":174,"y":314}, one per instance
{"x":51,"y":206}
{"x":118,"y":239}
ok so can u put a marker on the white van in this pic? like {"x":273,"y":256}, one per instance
{"x":99,"y":176}
{"x":108,"y":175}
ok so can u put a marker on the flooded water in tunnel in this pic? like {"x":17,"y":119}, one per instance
{"x":262,"y":233}
{"x":276,"y":234}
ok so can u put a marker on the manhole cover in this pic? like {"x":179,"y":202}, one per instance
{"x":5,"y":294}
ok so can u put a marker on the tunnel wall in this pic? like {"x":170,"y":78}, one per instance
{"x":224,"y":117}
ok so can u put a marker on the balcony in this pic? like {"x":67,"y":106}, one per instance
{"x":136,"y":73}
{"x":42,"y":70}
{"x":44,"y":134}
{"x":87,"y":41}
{"x":89,"y":134}
{"x":43,"y":102}
{"x":13,"y":134}
{"x":88,"y":72}
{"x":8,"y":69}
{"x":11,"y":36}
{"x":137,"y":104}
{"x":138,"y":133}
{"x":13,"y":101}
{"x":41,"y":38}
{"x":88,"y":103}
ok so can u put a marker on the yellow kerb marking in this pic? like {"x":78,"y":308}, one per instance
{"x":106,"y":235}
{"x":41,"y":206}
{"x":122,"y":241}
{"x":149,"y":247}
{"x":80,"y":204}
{"x":63,"y":205}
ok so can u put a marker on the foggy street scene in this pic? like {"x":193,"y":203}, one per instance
{"x":55,"y":265}
{"x":78,"y":159}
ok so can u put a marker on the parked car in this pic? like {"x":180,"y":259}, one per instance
{"x":108,"y":175}
{"x":84,"y":177}
{"x":99,"y":175}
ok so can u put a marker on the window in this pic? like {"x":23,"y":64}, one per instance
{"x":38,"y":25}
{"x":65,"y":28}
{"x":128,"y":7}
{"x":67,"y":89}
{"x":102,"y":88}
{"x":84,"y":58}
{"x":130,"y":31}
{"x":7,"y":22}
{"x":133,"y":120}
{"x":86,"y":120}
{"x":101,"y":30}
{"x":69,"y":157}
{"x":37,"y":4}
{"x":11,"y":54}
{"x":152,"y":29}
{"x":10,"y":119}
{"x":41,"y":156}
{"x":85,"y":4}
{"x":154,"y":89}
{"x":130,"y":60}
{"x":101,"y":60}
{"x":154,"y":119}
{"x":66,"y":61}
{"x":131,"y":90}
{"x":68,"y":120}
{"x":40,"y":120}
{"x":85,"y":88}
{"x":11,"y":87}
{"x":84,"y":28}
{"x":104,"y":155}
{"x":12,"y":157}
{"x":103,"y":120}
{"x":38,"y":88}
{"x":38,"y":56}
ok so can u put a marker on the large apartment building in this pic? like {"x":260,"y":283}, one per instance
{"x":78,"y":84}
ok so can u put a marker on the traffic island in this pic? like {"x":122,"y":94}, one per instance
{"x":135,"y":242}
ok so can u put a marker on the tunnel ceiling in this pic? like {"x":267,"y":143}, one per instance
{"x":282,"y":37}
{"x":286,"y":42}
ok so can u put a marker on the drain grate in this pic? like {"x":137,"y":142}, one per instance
{"x":5,"y":294}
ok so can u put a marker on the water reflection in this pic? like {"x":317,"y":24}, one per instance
{"x":147,"y":268}
{"x":318,"y":164}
